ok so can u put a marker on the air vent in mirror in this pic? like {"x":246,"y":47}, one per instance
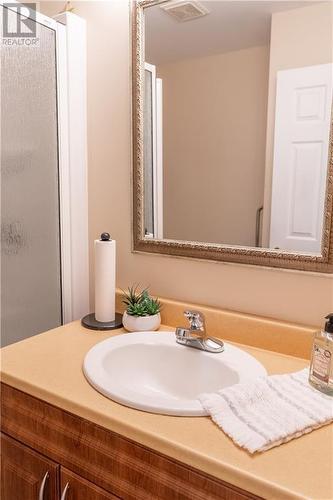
{"x":185,"y":11}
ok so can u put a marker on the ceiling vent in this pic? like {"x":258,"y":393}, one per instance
{"x":185,"y":11}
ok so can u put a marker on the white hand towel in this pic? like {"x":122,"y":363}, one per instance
{"x":270,"y":410}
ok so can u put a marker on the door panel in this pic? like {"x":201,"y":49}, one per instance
{"x":80,"y":489}
{"x":23,"y":471}
{"x":301,"y":143}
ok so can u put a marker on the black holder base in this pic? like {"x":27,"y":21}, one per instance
{"x":91,"y":322}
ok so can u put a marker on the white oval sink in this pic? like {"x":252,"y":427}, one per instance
{"x":149,"y":371}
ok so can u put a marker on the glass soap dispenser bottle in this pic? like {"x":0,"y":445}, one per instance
{"x":321,"y":368}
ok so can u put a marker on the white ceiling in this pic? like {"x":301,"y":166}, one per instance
{"x":231,"y":25}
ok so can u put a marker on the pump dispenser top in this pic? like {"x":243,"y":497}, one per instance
{"x":329,"y":323}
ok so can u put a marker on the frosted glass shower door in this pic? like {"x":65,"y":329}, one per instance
{"x":30,"y":220}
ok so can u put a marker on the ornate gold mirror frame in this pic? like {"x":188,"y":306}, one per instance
{"x":210,"y":251}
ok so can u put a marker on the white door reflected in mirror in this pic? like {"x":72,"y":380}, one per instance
{"x":301,"y":148}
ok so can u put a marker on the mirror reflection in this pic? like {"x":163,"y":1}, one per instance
{"x":237,"y":115}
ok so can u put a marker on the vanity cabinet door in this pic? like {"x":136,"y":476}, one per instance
{"x":25,"y":474}
{"x":74,"y":487}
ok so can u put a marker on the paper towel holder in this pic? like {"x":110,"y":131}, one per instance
{"x":90,"y":321}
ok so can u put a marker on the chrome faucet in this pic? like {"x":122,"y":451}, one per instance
{"x":196,"y":335}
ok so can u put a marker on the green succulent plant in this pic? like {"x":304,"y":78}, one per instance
{"x":140,"y":303}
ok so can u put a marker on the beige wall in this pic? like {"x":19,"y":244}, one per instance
{"x":301,"y":297}
{"x":299,"y":37}
{"x":214,"y":137}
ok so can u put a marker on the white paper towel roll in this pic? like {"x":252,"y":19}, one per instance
{"x":105,"y":280}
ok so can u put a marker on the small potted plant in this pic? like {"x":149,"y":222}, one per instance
{"x":142,"y":311}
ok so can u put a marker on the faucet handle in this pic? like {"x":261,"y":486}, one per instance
{"x":196,"y":319}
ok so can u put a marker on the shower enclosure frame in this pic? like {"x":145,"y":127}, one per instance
{"x":70,"y":33}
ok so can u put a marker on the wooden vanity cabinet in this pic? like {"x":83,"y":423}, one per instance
{"x":87,"y":462}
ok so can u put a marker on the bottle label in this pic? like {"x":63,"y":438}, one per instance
{"x":321,"y":363}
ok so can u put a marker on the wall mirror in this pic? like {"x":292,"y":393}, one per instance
{"x":232,"y":119}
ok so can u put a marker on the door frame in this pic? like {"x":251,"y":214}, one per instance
{"x":157,"y":145}
{"x":72,"y":132}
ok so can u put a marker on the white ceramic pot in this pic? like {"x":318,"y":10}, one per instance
{"x":141,"y":323}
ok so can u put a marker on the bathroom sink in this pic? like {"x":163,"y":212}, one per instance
{"x":149,"y":371}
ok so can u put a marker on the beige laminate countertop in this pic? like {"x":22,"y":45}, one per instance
{"x":49,"y":366}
